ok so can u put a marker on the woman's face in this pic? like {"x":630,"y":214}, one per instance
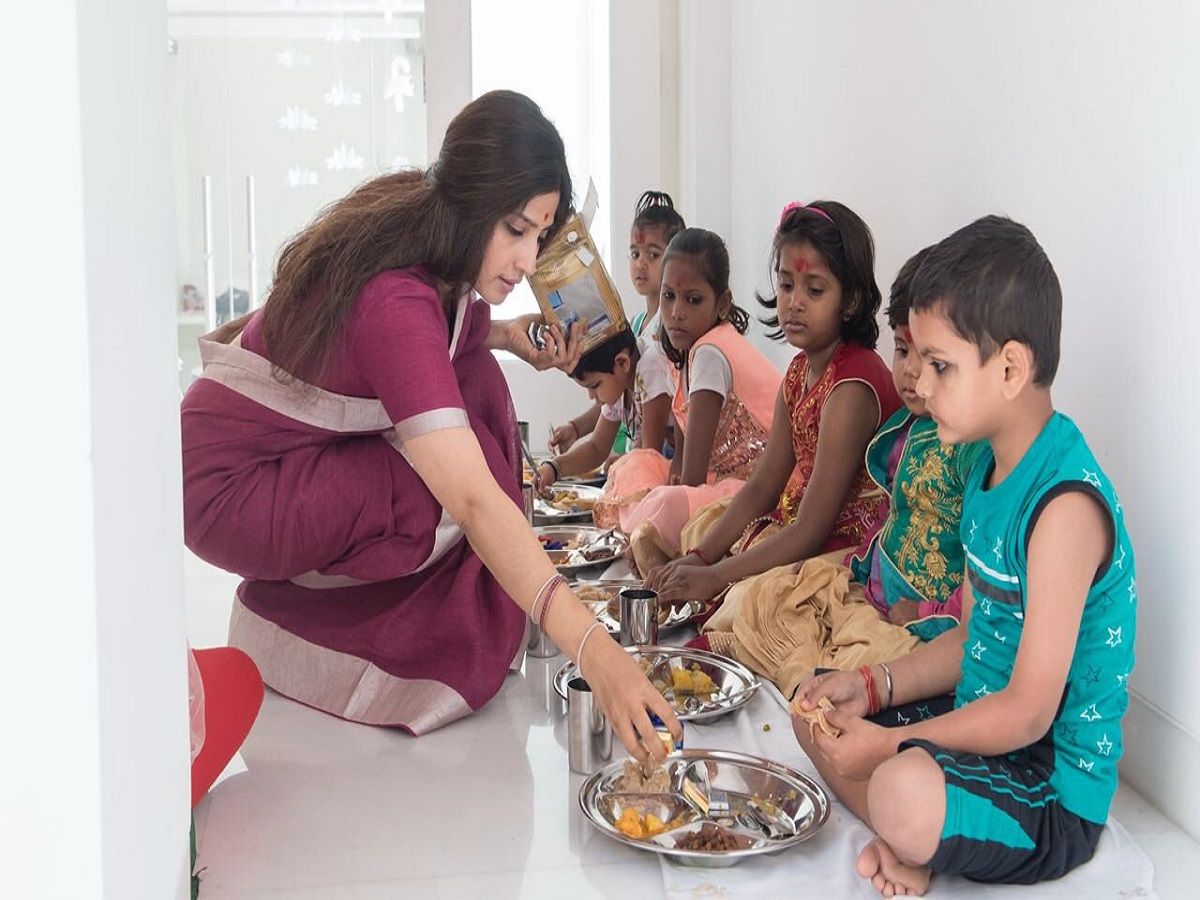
{"x":511,"y":254}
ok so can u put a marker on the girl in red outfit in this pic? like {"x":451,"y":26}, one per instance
{"x":810,"y":492}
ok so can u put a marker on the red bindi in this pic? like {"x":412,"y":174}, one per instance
{"x":639,"y":236}
{"x":905,"y":333}
{"x":802,"y":265}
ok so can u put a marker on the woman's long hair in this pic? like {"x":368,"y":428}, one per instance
{"x":499,"y":152}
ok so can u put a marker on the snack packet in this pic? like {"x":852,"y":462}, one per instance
{"x":572,"y":284}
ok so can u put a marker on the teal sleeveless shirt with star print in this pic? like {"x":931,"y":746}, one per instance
{"x":1083,"y":744}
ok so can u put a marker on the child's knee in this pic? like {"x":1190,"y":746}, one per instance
{"x":906,"y":799}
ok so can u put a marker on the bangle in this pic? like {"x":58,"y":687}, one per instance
{"x":872,"y":700}
{"x":538,"y":596}
{"x":583,"y":640}
{"x":887,"y":672}
{"x":553,"y":465}
{"x":552,"y":587}
{"x":695,"y":551}
{"x":575,"y":428}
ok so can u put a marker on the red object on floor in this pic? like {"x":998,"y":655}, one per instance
{"x":233,"y":693}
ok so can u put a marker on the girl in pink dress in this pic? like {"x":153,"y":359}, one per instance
{"x":811,"y":493}
{"x":351,"y":449}
{"x":722,"y":406}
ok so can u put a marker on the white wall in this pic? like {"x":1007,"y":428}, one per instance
{"x":643,"y":114}
{"x":639,"y":101}
{"x":95,"y":753}
{"x":1079,"y":119}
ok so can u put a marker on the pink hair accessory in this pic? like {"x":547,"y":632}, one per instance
{"x":796,"y":204}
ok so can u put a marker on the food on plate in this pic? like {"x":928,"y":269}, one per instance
{"x":592,"y":594}
{"x":570,"y":501}
{"x":693,"y":682}
{"x":551,"y":543}
{"x":712,"y":839}
{"x":689,"y":681}
{"x":638,"y":779}
{"x":633,"y":824}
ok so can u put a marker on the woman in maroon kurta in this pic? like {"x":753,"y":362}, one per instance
{"x":351,"y":449}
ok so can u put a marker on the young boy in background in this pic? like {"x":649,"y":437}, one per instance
{"x":633,"y":388}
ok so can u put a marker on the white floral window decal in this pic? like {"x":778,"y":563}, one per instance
{"x":400,"y":82}
{"x":291,"y":58}
{"x":296,"y":118}
{"x":344,"y":157}
{"x":301,"y":176}
{"x":340,"y":95}
{"x":338,"y":32}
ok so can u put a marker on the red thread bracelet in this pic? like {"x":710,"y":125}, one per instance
{"x":872,"y":700}
{"x":695,"y":551}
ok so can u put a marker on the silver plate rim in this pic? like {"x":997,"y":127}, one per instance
{"x":568,"y":670}
{"x":545,"y":514}
{"x":697,"y":607}
{"x":572,"y":568}
{"x":589,"y":792}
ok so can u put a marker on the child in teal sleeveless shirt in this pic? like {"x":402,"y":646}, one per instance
{"x":1014,"y":784}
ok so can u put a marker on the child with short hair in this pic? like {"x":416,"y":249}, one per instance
{"x":1015,"y":783}
{"x":655,"y":222}
{"x":811,"y":492}
{"x":633,"y":390}
{"x":722,"y":407}
{"x":902,"y":585}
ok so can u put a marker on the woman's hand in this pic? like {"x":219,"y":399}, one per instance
{"x":625,"y":695}
{"x":557,"y":351}
{"x":860,"y":747}
{"x":563,"y":437}
{"x":845,"y":690}
{"x":686,"y":579}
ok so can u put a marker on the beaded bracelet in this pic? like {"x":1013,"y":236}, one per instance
{"x":583,"y":640}
{"x":887,"y":672}
{"x":552,"y":587}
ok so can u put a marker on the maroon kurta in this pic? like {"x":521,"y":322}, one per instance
{"x":361,"y":597}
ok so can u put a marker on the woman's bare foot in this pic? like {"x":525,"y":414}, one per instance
{"x":891,"y":877}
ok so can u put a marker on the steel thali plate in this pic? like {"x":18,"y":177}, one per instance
{"x":678,"y":672}
{"x":765,"y":807}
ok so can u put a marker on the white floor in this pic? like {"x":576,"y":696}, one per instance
{"x":484,"y":807}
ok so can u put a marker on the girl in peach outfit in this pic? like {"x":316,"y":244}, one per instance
{"x":723,"y":405}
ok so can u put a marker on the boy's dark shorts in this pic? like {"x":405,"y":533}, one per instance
{"x":1003,"y":821}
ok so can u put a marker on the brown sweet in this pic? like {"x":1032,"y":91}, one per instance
{"x":711,"y":839}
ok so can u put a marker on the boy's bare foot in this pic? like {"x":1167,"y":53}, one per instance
{"x":891,"y":878}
